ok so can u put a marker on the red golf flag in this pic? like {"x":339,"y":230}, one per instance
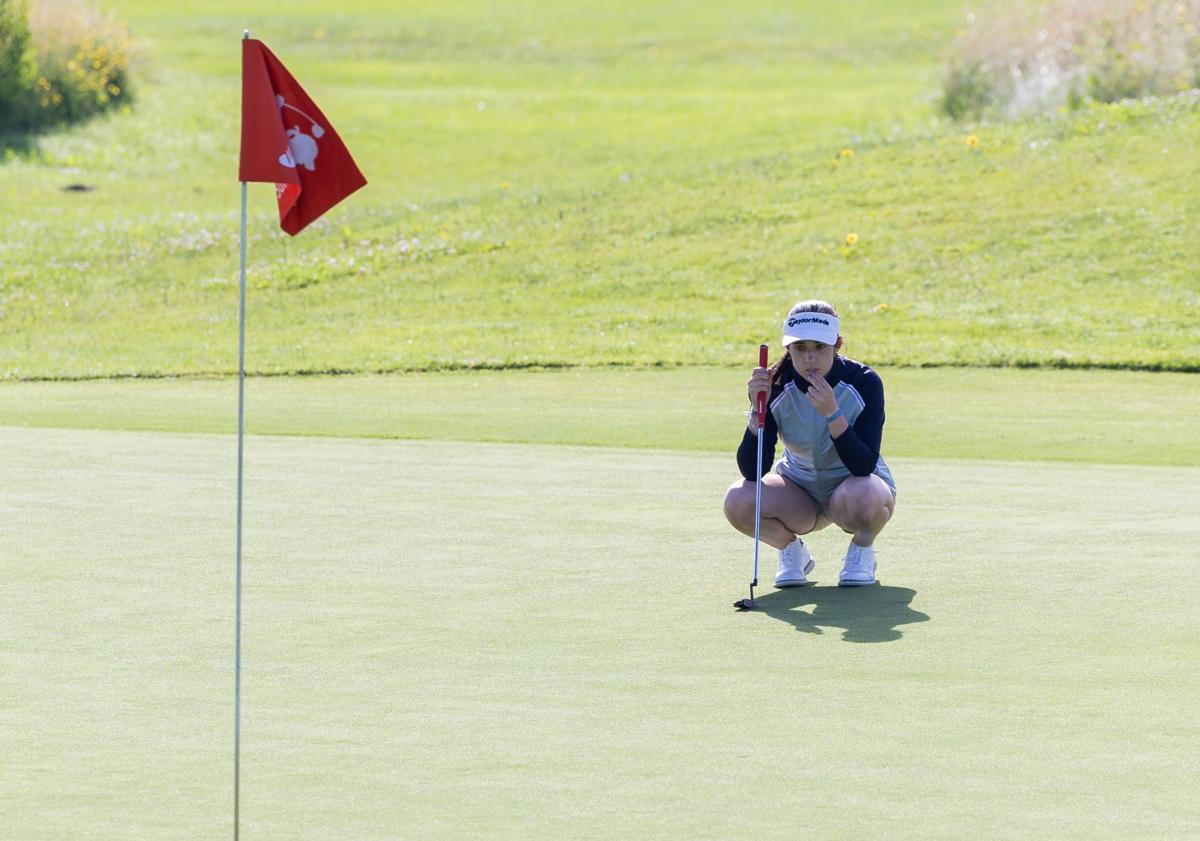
{"x":287,"y":140}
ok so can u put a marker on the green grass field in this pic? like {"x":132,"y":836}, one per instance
{"x":455,"y":638}
{"x":488,"y":584}
{"x":1104,"y":417}
{"x":518,"y":641}
{"x":613,"y":183}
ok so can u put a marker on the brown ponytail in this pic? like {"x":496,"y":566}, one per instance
{"x":782,"y":371}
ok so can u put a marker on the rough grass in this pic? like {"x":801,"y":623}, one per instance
{"x":636,"y":185}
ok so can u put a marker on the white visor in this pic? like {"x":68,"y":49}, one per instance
{"x":811,"y":326}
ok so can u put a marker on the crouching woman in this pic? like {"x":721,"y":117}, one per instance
{"x":828,"y":412}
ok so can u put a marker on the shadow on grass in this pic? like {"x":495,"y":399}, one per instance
{"x":866,"y":614}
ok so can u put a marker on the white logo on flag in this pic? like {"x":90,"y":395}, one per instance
{"x":302,"y":148}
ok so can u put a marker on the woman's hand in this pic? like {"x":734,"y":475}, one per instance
{"x":759,"y":381}
{"x":820,"y":394}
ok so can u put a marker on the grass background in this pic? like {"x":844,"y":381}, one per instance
{"x":475,"y":633}
{"x":616,"y":183}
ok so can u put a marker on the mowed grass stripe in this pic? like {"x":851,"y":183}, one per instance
{"x":1113,"y":417}
{"x":513,"y":641}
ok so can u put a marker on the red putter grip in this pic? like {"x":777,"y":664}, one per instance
{"x":762,"y":395}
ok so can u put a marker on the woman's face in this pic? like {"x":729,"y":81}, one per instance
{"x":813,"y":359}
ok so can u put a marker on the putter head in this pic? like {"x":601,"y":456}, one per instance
{"x":745,"y":604}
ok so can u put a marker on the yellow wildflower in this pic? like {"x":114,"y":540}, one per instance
{"x":851,"y":239}
{"x":847,"y":152}
{"x":972,"y":141}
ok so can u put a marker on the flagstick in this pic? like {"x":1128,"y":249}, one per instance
{"x":237,"y":668}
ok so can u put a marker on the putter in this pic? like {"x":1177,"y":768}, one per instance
{"x":760,"y":413}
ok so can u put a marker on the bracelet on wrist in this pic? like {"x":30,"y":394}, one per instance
{"x":834,"y":416}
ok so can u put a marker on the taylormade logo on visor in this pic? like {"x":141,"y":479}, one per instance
{"x":806,"y":319}
{"x":812,"y":326}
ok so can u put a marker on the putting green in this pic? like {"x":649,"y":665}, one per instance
{"x":450,"y":640}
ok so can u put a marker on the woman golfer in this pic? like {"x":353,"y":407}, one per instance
{"x":828,"y":411}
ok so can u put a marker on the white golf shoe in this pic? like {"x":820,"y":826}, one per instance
{"x":794,"y":564}
{"x":859,"y":567}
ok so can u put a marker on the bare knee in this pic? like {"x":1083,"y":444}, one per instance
{"x":739,"y":505}
{"x":866,"y":508}
{"x":863,"y":502}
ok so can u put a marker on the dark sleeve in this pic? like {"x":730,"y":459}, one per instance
{"x":748,"y":449}
{"x":858,"y":446}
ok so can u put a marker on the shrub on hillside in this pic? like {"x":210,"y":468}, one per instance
{"x":1024,"y":56}
{"x":62,"y":63}
{"x":18,"y":66}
